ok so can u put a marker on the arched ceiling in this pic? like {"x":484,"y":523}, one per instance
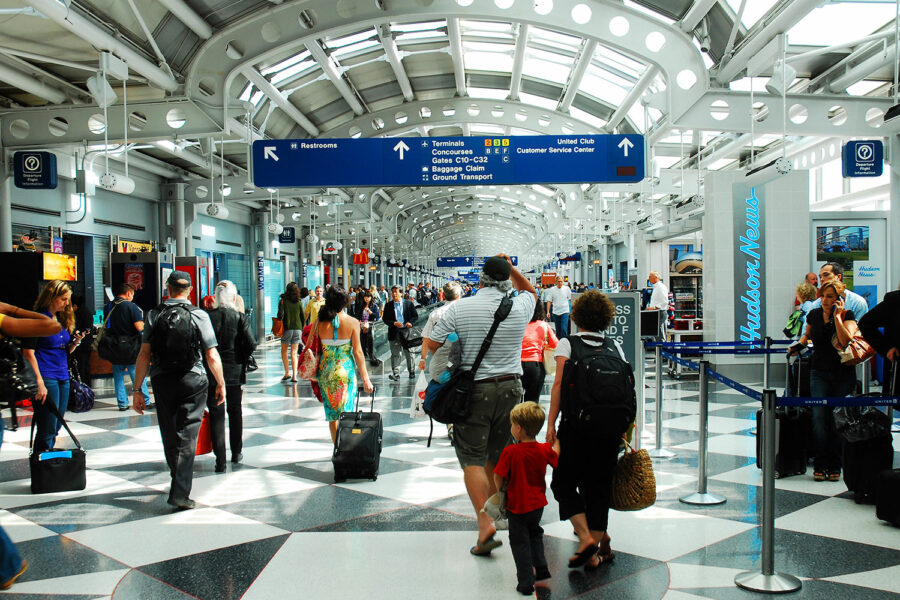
{"x":208,"y":76}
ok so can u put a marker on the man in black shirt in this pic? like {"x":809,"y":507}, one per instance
{"x":125,"y":318}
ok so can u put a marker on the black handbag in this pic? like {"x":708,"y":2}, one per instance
{"x":119,"y":349}
{"x":57,"y":470}
{"x":862,"y":423}
{"x":17,"y":378}
{"x":410,"y":337}
{"x":81,"y":396}
{"x":452,"y":402}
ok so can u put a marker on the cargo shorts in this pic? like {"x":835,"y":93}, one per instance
{"x":483,"y":436}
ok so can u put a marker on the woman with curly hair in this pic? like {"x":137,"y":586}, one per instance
{"x":48,"y":358}
{"x":583,"y":479}
{"x":341,"y":356}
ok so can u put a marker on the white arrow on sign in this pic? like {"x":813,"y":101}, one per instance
{"x":401,"y":147}
{"x":625,"y":145}
{"x":269,"y":152}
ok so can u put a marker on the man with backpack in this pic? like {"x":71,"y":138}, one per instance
{"x":176,"y":339}
{"x":480,"y":437}
{"x":124,"y":323}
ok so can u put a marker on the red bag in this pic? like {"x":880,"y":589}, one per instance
{"x":277,"y":327}
{"x":204,"y":439}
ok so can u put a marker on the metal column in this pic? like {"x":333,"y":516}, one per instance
{"x":702,"y":497}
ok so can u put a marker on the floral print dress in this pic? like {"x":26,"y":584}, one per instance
{"x":337,"y":375}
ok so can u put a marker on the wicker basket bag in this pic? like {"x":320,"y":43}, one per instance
{"x":633,"y":483}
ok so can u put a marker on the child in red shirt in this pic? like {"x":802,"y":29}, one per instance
{"x":523,"y":467}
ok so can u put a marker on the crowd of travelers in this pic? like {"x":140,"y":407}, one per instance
{"x":198,"y":359}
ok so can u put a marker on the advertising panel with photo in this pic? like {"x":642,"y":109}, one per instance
{"x":858,"y":246}
{"x":843,"y":244}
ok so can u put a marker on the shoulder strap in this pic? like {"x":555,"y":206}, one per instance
{"x":502,"y":313}
{"x":111,"y":311}
{"x":56,"y":414}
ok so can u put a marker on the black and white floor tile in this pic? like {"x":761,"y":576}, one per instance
{"x":277,"y":526}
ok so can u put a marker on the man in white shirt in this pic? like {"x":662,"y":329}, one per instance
{"x":852,"y":301}
{"x":557,"y":305}
{"x":659,"y":299}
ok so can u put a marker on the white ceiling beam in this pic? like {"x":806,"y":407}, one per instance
{"x":87,"y":30}
{"x":331,"y":70}
{"x":859,"y":72}
{"x":279,"y":99}
{"x":584,"y":61}
{"x":186,"y":14}
{"x":695,"y":14}
{"x":515,"y":84}
{"x":459,"y":65}
{"x":791,"y":14}
{"x":633,"y":96}
{"x":726,"y":151}
{"x":393,"y":56}
{"x":28,"y":83}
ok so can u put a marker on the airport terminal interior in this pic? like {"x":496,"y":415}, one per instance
{"x":731,"y":147}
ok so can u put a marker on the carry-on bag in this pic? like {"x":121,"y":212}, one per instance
{"x":57,"y":470}
{"x":887,"y":496}
{"x":864,"y":460}
{"x":793,"y":425}
{"x":357,"y":447}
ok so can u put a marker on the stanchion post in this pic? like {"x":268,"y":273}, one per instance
{"x":766,"y":364}
{"x":659,"y":451}
{"x":766,"y":580}
{"x":702,"y":497}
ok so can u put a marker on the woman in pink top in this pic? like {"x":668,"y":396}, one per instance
{"x":538,"y":335}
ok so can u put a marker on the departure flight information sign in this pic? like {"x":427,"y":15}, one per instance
{"x":438,"y":161}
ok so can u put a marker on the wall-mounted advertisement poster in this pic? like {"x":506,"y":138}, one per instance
{"x":684,"y":260}
{"x":858,"y":246}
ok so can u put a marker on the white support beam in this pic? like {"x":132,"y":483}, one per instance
{"x":695,"y":14}
{"x":584,"y":61}
{"x":86,"y":29}
{"x":791,"y":14}
{"x":27,"y":83}
{"x":515,"y":84}
{"x":393,"y":56}
{"x":633,"y":96}
{"x":459,"y":66}
{"x":860,"y":71}
{"x":725,"y":151}
{"x":186,"y":15}
{"x":330,"y":68}
{"x":279,"y":99}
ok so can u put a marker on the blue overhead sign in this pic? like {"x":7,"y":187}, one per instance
{"x":467,"y":261}
{"x":377,"y":162}
{"x":863,"y":158}
{"x":34,"y":170}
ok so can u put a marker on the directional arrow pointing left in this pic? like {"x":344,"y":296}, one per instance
{"x":269,"y":152}
{"x":401,"y":147}
{"x":625,"y":145}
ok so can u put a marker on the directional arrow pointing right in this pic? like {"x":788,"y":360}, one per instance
{"x":401,"y":147}
{"x":269,"y":152}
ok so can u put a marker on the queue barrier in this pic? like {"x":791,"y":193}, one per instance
{"x":766,"y":580}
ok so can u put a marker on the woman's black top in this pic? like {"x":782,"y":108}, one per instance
{"x":825,"y":355}
{"x":235,"y":342}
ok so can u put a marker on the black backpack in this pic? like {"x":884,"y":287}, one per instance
{"x":597,"y":393}
{"x":175,"y":339}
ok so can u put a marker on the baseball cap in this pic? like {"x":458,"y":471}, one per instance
{"x":497,"y":268}
{"x":179,"y":279}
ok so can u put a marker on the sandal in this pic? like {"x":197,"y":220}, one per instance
{"x":484,"y":548}
{"x":834,"y":476}
{"x":286,"y":377}
{"x":819,"y":476}
{"x":580,"y":558}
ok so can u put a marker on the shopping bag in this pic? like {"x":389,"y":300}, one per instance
{"x":418,"y":397}
{"x":204,"y":439}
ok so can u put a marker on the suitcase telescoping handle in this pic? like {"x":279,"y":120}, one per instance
{"x":359,"y":411}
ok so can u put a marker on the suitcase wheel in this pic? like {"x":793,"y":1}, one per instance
{"x":374,"y":477}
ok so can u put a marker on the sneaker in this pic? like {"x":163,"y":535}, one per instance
{"x":123,"y":408}
{"x":149,"y":404}
{"x":8,"y":583}
{"x":393,"y":377}
{"x":182,"y":503}
{"x":834,"y":476}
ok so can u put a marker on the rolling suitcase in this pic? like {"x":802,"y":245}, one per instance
{"x":865,"y":460}
{"x":887,"y":496}
{"x":357,"y":448}
{"x":792,"y":425}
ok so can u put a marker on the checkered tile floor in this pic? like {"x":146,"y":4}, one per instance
{"x":276,"y":526}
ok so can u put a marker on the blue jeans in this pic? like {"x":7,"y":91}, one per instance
{"x":10,"y":561}
{"x":119,"y":381}
{"x":562,"y":325}
{"x":47,"y":423}
{"x":826,"y":443}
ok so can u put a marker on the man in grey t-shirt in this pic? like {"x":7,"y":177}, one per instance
{"x":480,"y":439}
{"x":180,"y":385}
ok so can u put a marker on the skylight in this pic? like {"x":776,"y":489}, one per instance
{"x":839,"y":22}
{"x":547,"y":66}
{"x":753,"y":11}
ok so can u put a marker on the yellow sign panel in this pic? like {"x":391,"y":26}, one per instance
{"x":60,"y":266}
{"x":126,"y":246}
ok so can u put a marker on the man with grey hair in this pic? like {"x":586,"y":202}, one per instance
{"x":558,"y":301}
{"x":452,"y":292}
{"x":480,"y":439}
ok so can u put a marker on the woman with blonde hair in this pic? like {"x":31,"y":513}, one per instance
{"x":48,"y":358}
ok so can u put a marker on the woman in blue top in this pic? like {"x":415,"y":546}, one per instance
{"x":48,"y":358}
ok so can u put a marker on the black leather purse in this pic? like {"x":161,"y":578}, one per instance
{"x":57,"y":470}
{"x":17,"y":379}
